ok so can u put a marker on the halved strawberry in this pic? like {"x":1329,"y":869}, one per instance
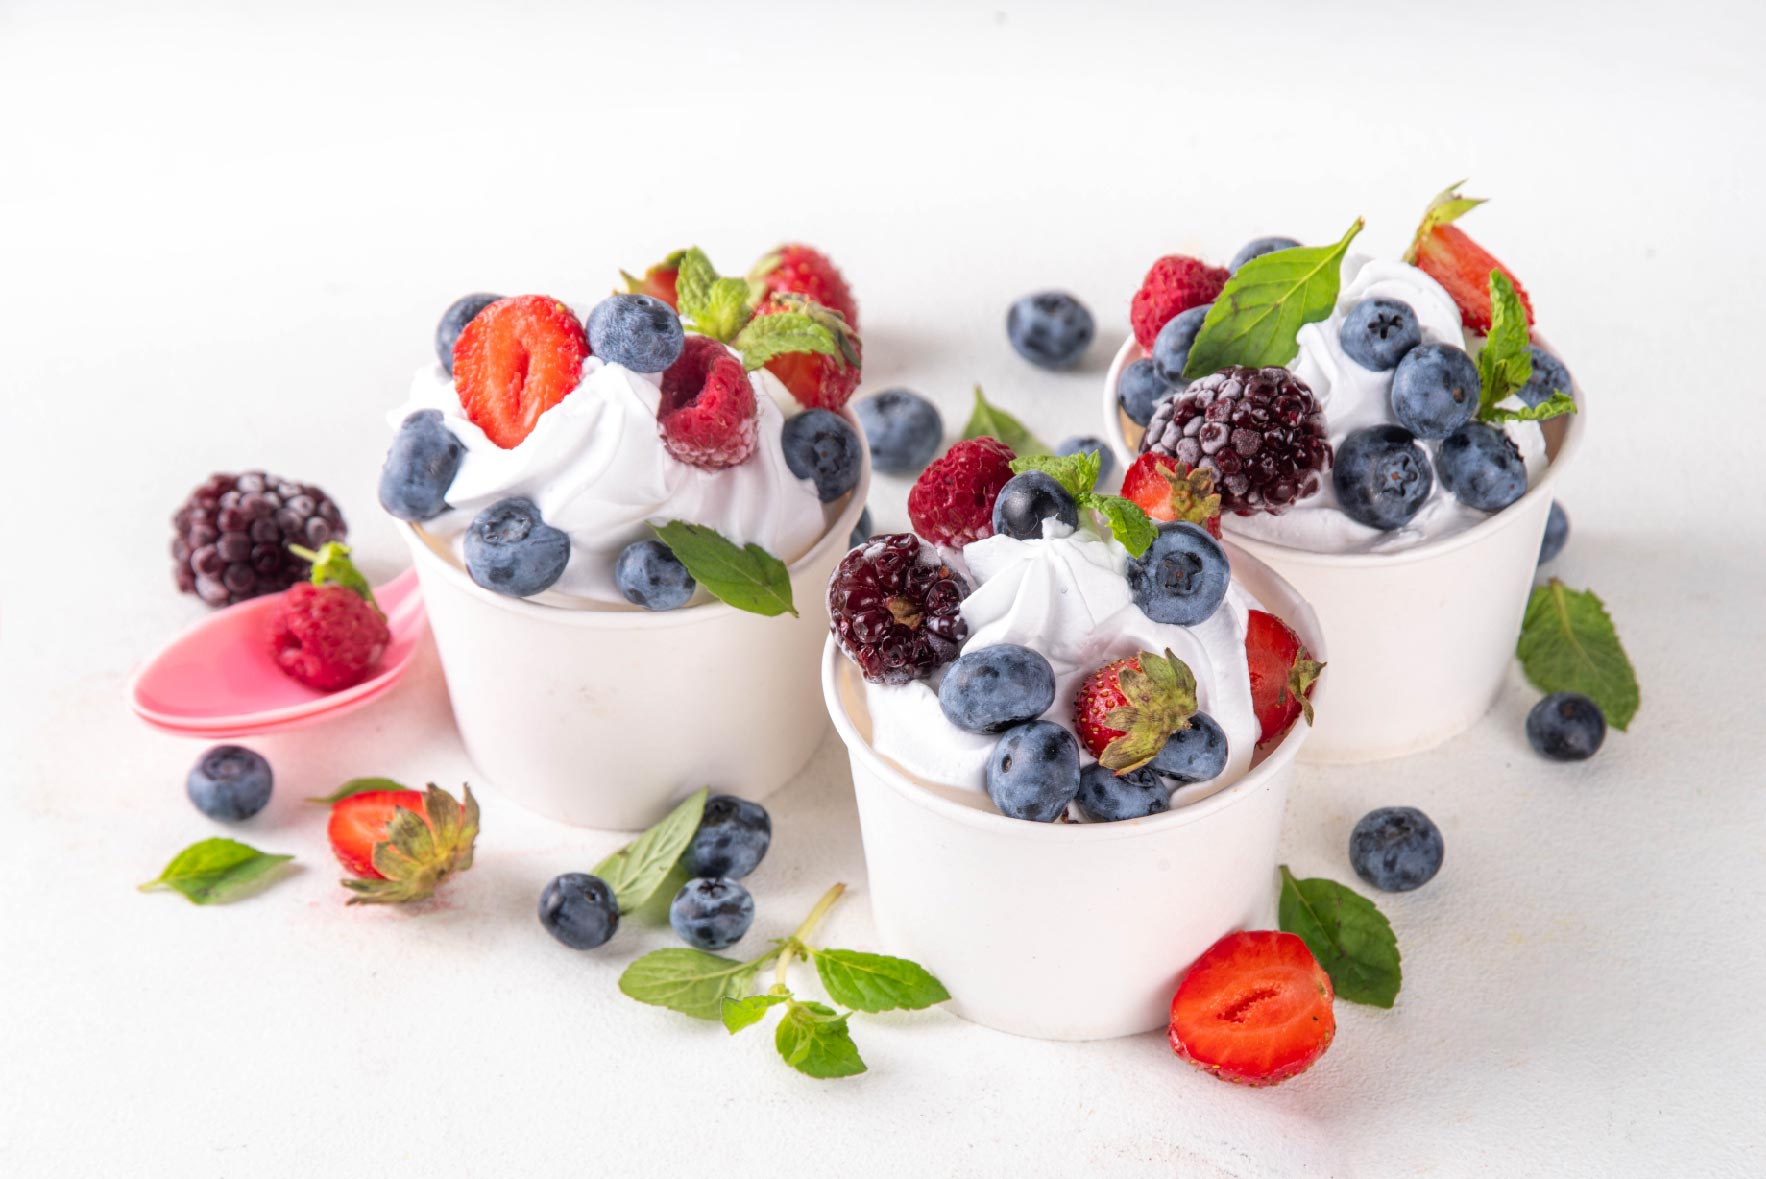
{"x":1254,"y":1009}
{"x":517,"y":358}
{"x":1125,"y":711}
{"x":399,"y":845}
{"x":358,"y":824}
{"x":816,"y":380}
{"x":707,"y":412}
{"x":1166,"y":489}
{"x":659,"y":281}
{"x":1442,"y":251}
{"x":804,"y":270}
{"x":1282,"y":674}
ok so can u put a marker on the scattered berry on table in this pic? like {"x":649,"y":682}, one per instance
{"x":732,"y":838}
{"x":1566,"y":726}
{"x":1376,"y":333}
{"x":708,"y":412}
{"x":1174,"y":284}
{"x":1482,"y":467}
{"x":518,"y":358}
{"x":1254,"y":1009}
{"x":1435,"y":390}
{"x":1140,"y":387}
{"x":863,"y":530}
{"x":1557,"y":531}
{"x":1033,"y":773}
{"x":1282,"y":673}
{"x":1050,"y":329}
{"x":815,"y":379}
{"x":1182,"y":577}
{"x":579,"y":910}
{"x":231,"y":535}
{"x":428,"y":838}
{"x":1105,"y":797}
{"x":642,"y":333}
{"x":1256,"y":248}
{"x":1167,"y":490}
{"x":951,"y":503}
{"x":1463,"y":267}
{"x":1396,"y":848}
{"x":358,"y":824}
{"x":1171,"y":347}
{"x":1195,"y":754}
{"x":1382,"y":476}
{"x":230,"y":783}
{"x":511,"y":549}
{"x":894,"y":608}
{"x":994,"y":688}
{"x":1090,"y":444}
{"x":648,"y":574}
{"x":820,"y":446}
{"x":1549,"y":376}
{"x":1260,"y":430}
{"x":460,"y":312}
{"x":1027,"y":500}
{"x":420,"y":467}
{"x":711,"y":914}
{"x":902,"y":429}
{"x":797,"y":269}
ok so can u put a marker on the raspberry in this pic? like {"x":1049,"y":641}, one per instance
{"x":803,"y":270}
{"x":894,"y":609}
{"x":327,"y":636}
{"x":707,"y":412}
{"x":1260,"y":430}
{"x":517,"y":358}
{"x":951,"y":503}
{"x":233,"y":532}
{"x":1174,"y":284}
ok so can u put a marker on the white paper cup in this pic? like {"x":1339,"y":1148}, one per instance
{"x":1421,"y":639}
{"x":607,"y":718}
{"x":1066,"y":931}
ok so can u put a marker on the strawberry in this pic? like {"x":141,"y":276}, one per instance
{"x":517,"y":358}
{"x":659,"y":281}
{"x":707,"y":413}
{"x":1462,"y":267}
{"x":1175,"y":284}
{"x":802,"y":270}
{"x":816,"y":380}
{"x":1254,"y":1009}
{"x":1167,"y":490}
{"x":1283,"y":673}
{"x":399,"y":845}
{"x":1125,"y":711}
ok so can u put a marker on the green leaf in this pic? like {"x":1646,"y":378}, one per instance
{"x":726,"y":309}
{"x":1505,"y":362}
{"x":1555,"y":406}
{"x":216,"y":870}
{"x":814,"y":1040}
{"x":1445,"y":209}
{"x":993,"y":422}
{"x":357,"y":786}
{"x":1257,"y":318}
{"x":636,"y":871}
{"x":331,"y":565}
{"x":1128,"y":523}
{"x":691,"y":982}
{"x":788,"y":331}
{"x":1568,"y":644}
{"x":748,"y":578}
{"x":1076,"y":473}
{"x":1348,"y":935}
{"x":655,"y":910}
{"x":751,"y":1009}
{"x":877,"y":982}
{"x":693,"y":282}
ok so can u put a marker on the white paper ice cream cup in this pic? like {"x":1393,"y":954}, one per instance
{"x":1421,"y":639}
{"x":1067,"y":931}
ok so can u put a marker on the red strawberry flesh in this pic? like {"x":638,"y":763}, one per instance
{"x":517,"y":358}
{"x":1254,"y":1009}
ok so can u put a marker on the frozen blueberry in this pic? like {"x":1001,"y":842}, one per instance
{"x":420,"y":467}
{"x":1090,"y":442}
{"x":732,"y":839}
{"x":1049,"y":329}
{"x":1378,"y":332}
{"x":1549,"y":376}
{"x":1256,"y":248}
{"x":863,"y":530}
{"x":579,"y":910}
{"x":1382,"y":476}
{"x":1566,"y":726}
{"x":1033,"y":772}
{"x":648,"y":574}
{"x":1182,"y":577}
{"x":230,"y":783}
{"x":1106,"y":797}
{"x":1434,"y":390}
{"x":639,"y":332}
{"x":512,"y":550}
{"x":902,"y":429}
{"x":1140,"y":388}
{"x":994,"y":688}
{"x":1171,"y":347}
{"x":1481,"y":466}
{"x":1195,"y":754}
{"x":821,"y":447}
{"x":710,"y":914}
{"x":1027,"y":500}
{"x":1396,"y":848}
{"x":1557,"y":531}
{"x":460,"y":312}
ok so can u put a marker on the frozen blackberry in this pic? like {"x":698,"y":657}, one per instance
{"x":1260,"y":430}
{"x":893,"y":608}
{"x":231,"y":536}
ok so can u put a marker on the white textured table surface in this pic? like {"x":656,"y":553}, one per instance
{"x":224,"y":240}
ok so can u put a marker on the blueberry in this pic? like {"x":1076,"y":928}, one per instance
{"x":1171,"y":347}
{"x":863,"y":530}
{"x":1256,"y":248}
{"x":1105,"y":797}
{"x":902,"y":429}
{"x":1049,"y":329}
{"x":1396,"y":848}
{"x":648,"y":574}
{"x":636,"y":331}
{"x":1182,"y":577}
{"x":1382,"y":476}
{"x":1140,"y":388}
{"x":1480,"y":465}
{"x":420,"y":467}
{"x":710,"y":914}
{"x":1549,"y":376}
{"x":1377,"y":333}
{"x":453,"y":321}
{"x":579,"y":910}
{"x":1080,"y":443}
{"x":732,"y":839}
{"x":1557,"y":531}
{"x":230,"y":783}
{"x":512,"y":550}
{"x":1195,"y":754}
{"x":1566,"y":726}
{"x":991,"y":689}
{"x":1435,"y":390}
{"x":1027,"y":500}
{"x":820,"y":446}
{"x":1033,"y":772}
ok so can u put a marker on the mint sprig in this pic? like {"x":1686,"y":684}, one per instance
{"x":217,"y":870}
{"x":1555,"y":406}
{"x":1568,"y":644}
{"x":1505,"y":362}
{"x":744,"y":576}
{"x":1078,"y":476}
{"x":1348,"y":935}
{"x":989,"y":420}
{"x":709,"y":304}
{"x":638,"y":871}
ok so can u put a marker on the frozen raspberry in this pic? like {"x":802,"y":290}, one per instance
{"x":327,"y":636}
{"x":1174,"y":284}
{"x":707,"y":412}
{"x":232,"y":535}
{"x":951,"y":503}
{"x":893,"y":608}
{"x":1260,"y":430}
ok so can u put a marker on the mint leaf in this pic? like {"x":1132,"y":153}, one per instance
{"x":1128,"y":522}
{"x":1568,"y":644}
{"x":216,"y":870}
{"x":814,"y":1040}
{"x":1076,"y":473}
{"x":1504,"y":362}
{"x":357,"y":786}
{"x":693,"y":282}
{"x":877,"y":982}
{"x":655,"y":910}
{"x":1257,"y":318}
{"x":748,"y":578}
{"x":992,"y":421}
{"x":636,"y":871}
{"x":1555,"y":406}
{"x":750,"y":1010}
{"x":1348,"y":935}
{"x":691,"y":982}
{"x":788,"y":331}
{"x":726,"y":309}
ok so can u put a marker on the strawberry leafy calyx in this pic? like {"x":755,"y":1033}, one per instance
{"x":1447,"y":207}
{"x":1160,"y":697}
{"x":1301,"y":677}
{"x":420,"y":850}
{"x":332,"y":566}
{"x":1193,"y":498}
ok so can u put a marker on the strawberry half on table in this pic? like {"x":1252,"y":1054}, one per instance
{"x":1283,"y":673}
{"x":1462,"y":267}
{"x":400,"y":845}
{"x":1255,"y":1009}
{"x":517,"y":358}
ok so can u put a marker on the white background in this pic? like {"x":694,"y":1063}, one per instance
{"x":225,"y":236}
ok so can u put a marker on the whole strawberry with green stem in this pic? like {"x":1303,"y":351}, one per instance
{"x":1127,"y":710}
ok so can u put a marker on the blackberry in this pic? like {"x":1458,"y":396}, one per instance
{"x":1260,"y":430}
{"x":894,"y":609}
{"x":231,"y":536}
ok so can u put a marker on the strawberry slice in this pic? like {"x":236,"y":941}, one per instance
{"x":359,"y":822}
{"x":1166,"y":489}
{"x":1255,"y":1009}
{"x":1442,"y":251}
{"x":517,"y":358}
{"x":1283,"y":673}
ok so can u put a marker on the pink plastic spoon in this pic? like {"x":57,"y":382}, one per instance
{"x":217,"y":679}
